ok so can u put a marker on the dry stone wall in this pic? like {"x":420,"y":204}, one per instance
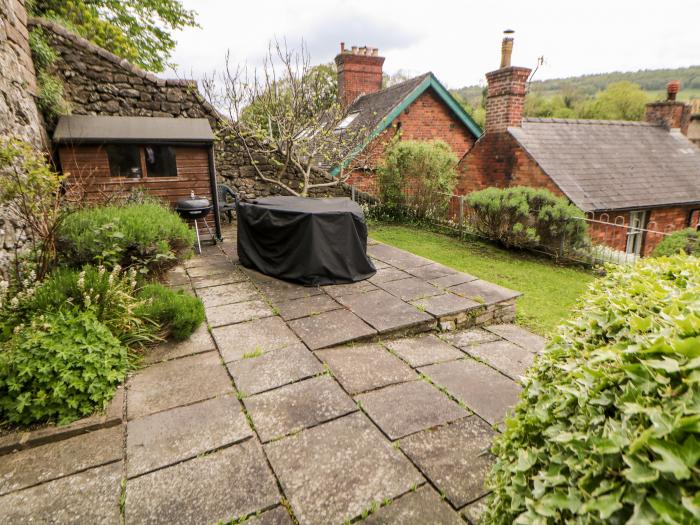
{"x":96,"y":82}
{"x":19,"y":116}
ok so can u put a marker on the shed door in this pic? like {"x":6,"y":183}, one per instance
{"x":635,"y":232}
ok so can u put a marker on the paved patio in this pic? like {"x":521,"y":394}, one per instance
{"x":320,"y":405}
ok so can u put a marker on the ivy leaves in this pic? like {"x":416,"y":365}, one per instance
{"x":608,"y":427}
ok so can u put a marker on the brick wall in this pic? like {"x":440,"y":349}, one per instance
{"x":505,"y":98}
{"x":427,"y":118}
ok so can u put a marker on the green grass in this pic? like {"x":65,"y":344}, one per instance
{"x":549,"y":290}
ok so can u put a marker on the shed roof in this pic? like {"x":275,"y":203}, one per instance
{"x":614,"y":165}
{"x":102,"y":129}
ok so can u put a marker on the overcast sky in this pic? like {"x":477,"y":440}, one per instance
{"x":457,"y":40}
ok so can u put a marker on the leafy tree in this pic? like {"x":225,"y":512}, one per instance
{"x":619,"y":101}
{"x":138,"y":30}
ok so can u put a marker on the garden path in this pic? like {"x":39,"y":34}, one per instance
{"x":296,"y":405}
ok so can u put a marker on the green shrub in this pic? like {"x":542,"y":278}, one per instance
{"x":110,"y":296}
{"x":607,"y":427}
{"x":149,"y":238}
{"x":526,"y":217}
{"x":687,"y":241}
{"x":178,"y":313}
{"x":61,"y":367}
{"x":417,"y":178}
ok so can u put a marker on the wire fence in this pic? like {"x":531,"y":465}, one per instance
{"x":609,"y":238}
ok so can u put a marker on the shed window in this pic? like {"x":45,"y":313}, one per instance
{"x":160,"y":161}
{"x":124,"y":161}
{"x":132,"y":161}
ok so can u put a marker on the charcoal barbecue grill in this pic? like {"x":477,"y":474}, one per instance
{"x":195,"y":208}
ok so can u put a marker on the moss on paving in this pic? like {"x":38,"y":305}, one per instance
{"x":550,"y":290}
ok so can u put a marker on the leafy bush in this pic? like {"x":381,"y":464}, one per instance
{"x":178,"y":313}
{"x":417,"y":178}
{"x":687,"y":241}
{"x":61,"y":367}
{"x":526,"y":217}
{"x":606,"y":429}
{"x":110,"y":296}
{"x":149,"y":238}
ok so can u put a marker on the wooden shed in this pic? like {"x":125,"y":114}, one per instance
{"x":168,"y":157}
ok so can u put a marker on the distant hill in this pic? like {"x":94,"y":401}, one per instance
{"x":653,"y":81}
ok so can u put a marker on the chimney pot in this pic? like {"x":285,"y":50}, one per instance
{"x":506,"y":48}
{"x":672,"y":89}
{"x":354,"y":50}
{"x":342,"y":47}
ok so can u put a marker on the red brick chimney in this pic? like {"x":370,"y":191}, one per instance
{"x":359,"y":72}
{"x":505,"y":96}
{"x":670,"y":113}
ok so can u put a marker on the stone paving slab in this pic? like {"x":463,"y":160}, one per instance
{"x":360,"y":368}
{"x":452,"y":280}
{"x":474,"y":511}
{"x":465,"y":338}
{"x":281,"y":291}
{"x":200,"y":341}
{"x":274,"y":369}
{"x":423,"y":350}
{"x":379,"y":264}
{"x":519,"y":336}
{"x":396,"y":257}
{"x":331,"y":328}
{"x":420,"y":507}
{"x":341,"y":290}
{"x":410,"y":289}
{"x":487,"y":392}
{"x":177,"y":277}
{"x":454,"y":457}
{"x":182,"y":433}
{"x":446,"y":304}
{"x":227,"y":294}
{"x":483,"y":291}
{"x":234,"y":276}
{"x":387,"y":274}
{"x":55,"y":460}
{"x":175,"y":383}
{"x":90,"y":497}
{"x":217,"y":487}
{"x":260,"y":335}
{"x":384,"y":312}
{"x":206,"y":260}
{"x":506,"y":357}
{"x":306,"y":306}
{"x":238,"y":312}
{"x":276,"y":516}
{"x":400,"y":410}
{"x":208,"y":270}
{"x":432,"y":271}
{"x":333,"y":472}
{"x":297,"y":406}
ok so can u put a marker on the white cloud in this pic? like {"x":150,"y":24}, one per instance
{"x":458,"y":41}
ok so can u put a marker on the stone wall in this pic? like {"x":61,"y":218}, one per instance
{"x":96,"y":82}
{"x":18,"y":112}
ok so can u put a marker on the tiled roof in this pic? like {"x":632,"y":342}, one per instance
{"x":608,"y":165}
{"x":372,"y":108}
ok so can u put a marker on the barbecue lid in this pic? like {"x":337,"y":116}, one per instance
{"x":196,"y":203}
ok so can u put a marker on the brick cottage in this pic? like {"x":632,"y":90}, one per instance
{"x":419,"y":109}
{"x":638,"y":174}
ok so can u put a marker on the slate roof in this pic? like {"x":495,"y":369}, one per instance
{"x":373,"y":107}
{"x":614,"y":165}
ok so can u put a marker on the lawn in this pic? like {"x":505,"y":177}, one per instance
{"x":550,"y":290}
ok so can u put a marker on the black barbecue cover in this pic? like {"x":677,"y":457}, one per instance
{"x":308,"y":241}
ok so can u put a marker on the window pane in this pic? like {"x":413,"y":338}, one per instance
{"x":160,"y":161}
{"x":124,"y":161}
